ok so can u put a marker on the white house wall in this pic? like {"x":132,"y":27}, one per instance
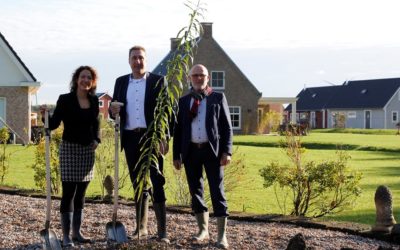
{"x":377,"y":118}
{"x":393,"y":105}
{"x":358,"y":121}
{"x":10,"y":75}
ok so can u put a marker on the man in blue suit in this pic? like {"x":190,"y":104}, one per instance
{"x":203,"y":138}
{"x":138,"y":91}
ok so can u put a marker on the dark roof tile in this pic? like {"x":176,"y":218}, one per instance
{"x":359,"y":94}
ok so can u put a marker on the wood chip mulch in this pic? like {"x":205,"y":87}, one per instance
{"x":22,"y":218}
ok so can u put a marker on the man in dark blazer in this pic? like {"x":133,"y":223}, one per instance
{"x":138,"y":92}
{"x":203,"y":138}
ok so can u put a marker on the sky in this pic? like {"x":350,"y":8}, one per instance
{"x":281,"y":46}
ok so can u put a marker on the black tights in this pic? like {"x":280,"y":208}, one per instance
{"x":73,"y":196}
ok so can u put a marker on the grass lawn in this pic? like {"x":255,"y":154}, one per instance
{"x":376,"y":156}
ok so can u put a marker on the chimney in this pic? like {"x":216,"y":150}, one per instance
{"x":174,"y":43}
{"x":207,"y":30}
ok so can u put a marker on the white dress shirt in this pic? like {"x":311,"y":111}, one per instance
{"x":199,"y":132}
{"x":135,"y":103}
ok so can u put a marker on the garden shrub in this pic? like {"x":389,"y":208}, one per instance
{"x":39,"y":166}
{"x":4,"y":156}
{"x":315,"y":189}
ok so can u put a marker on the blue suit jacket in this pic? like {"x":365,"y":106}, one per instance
{"x":218,"y":126}
{"x":154,"y":84}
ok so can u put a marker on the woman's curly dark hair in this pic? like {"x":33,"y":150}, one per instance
{"x":75,"y":76}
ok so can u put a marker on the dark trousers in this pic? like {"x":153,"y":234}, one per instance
{"x":73,"y":196}
{"x":196,"y":159}
{"x":132,"y":153}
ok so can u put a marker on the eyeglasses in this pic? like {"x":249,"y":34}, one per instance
{"x":199,"y":75}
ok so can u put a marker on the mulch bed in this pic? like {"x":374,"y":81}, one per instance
{"x":22,"y":217}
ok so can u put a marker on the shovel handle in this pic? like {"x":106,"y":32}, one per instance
{"x":116,"y":161}
{"x":48,"y":174}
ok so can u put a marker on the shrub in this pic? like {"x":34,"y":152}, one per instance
{"x":104,"y":157}
{"x":315,"y":189}
{"x":4,"y":157}
{"x":269,"y":122}
{"x":104,"y":161}
{"x":180,"y":190}
{"x":39,"y":166}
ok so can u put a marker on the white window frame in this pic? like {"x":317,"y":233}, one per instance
{"x":397,"y":116}
{"x":101,"y":103}
{"x":240,"y":117}
{"x":351,"y":114}
{"x":223,"y":79}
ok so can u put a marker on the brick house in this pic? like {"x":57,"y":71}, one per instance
{"x":226,"y":77}
{"x":104,"y":103}
{"x":355,"y":104}
{"x":17,"y":84}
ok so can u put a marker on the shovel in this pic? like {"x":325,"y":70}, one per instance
{"x":49,"y":236}
{"x":115,"y":229}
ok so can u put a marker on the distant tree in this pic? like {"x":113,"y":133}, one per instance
{"x":269,"y":121}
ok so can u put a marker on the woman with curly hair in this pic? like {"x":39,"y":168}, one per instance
{"x":79,"y":111}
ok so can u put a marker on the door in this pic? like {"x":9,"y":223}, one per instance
{"x":367,"y":119}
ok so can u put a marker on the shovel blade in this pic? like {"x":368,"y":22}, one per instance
{"x":116,"y":232}
{"x":50,"y":241}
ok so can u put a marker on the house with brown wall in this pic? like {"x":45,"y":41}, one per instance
{"x":226,"y":77}
{"x":17,"y":85}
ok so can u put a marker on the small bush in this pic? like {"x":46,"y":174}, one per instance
{"x":105,"y":158}
{"x":269,"y":122}
{"x":4,"y":156}
{"x":315,"y":189}
{"x":39,"y":166}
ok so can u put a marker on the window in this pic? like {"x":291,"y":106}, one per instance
{"x":303,"y":116}
{"x":351,"y":114}
{"x":218,"y":79}
{"x":395,"y":116}
{"x":235,"y":116}
{"x":101,"y":104}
